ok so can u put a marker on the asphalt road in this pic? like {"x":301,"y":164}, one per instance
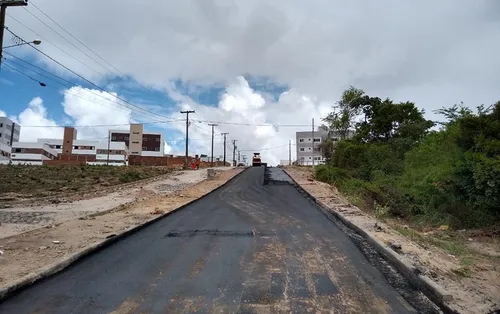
{"x":246,"y":248}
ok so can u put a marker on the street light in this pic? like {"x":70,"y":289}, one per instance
{"x":34,"y":42}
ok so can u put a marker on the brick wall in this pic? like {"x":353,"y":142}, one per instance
{"x":171,"y":162}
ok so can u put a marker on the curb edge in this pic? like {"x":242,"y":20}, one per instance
{"x":429,"y":288}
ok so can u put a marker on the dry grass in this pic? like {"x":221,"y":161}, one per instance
{"x":23,"y":181}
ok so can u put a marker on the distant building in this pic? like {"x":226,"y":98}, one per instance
{"x":32,"y":153}
{"x":69,"y":149}
{"x":305,"y":144}
{"x":139,"y":142}
{"x":9,"y":131}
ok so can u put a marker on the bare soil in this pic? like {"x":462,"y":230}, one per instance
{"x":20,"y":182}
{"x":29,"y":252}
{"x":465,"y":263}
{"x":29,"y":214}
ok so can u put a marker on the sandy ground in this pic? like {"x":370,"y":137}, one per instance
{"x":34,"y":214}
{"x":31,"y":251}
{"x":477,"y":293}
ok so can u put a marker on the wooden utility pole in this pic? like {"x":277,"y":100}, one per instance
{"x":289,"y":152}
{"x":212,"y":159}
{"x":187,"y":112}
{"x":224,"y":134}
{"x":234,"y":153}
{"x":313,"y":142}
{"x":3,"y":9}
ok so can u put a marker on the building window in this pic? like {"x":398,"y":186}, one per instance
{"x":135,"y":133}
{"x":301,"y":140}
{"x":75,"y":147}
{"x":317,"y":158}
{"x":17,"y":150}
{"x":113,"y":138}
{"x":301,"y":149}
{"x":125,"y":138}
{"x":58,"y":146}
{"x":144,"y":148}
{"x":0,"y":134}
{"x":135,"y":153}
{"x":309,"y":148}
{"x":1,"y":125}
{"x":309,"y":157}
{"x":135,"y":142}
{"x":317,"y":140}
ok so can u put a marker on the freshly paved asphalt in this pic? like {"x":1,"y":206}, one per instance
{"x":246,"y":248}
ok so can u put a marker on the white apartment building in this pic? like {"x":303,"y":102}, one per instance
{"x":94,"y":152}
{"x":308,"y":149}
{"x":9,"y":131}
{"x":139,"y":142}
{"x":304,"y":145}
{"x":31,"y":153}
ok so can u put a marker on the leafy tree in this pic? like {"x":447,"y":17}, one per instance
{"x":343,"y":117}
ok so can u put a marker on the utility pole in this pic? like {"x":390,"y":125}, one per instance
{"x":212,"y":159}
{"x":234,"y":153}
{"x":224,"y":134}
{"x":187,"y":112}
{"x":313,"y":142}
{"x":289,"y":152}
{"x":238,"y":156}
{"x":3,"y":8}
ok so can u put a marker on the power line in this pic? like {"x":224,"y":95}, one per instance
{"x":91,"y":50}
{"x":30,"y":77}
{"x":64,"y":38}
{"x":51,"y":43}
{"x":69,"y":85}
{"x":89,"y":82}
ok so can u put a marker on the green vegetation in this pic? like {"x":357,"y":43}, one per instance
{"x":400,"y":164}
{"x":21,"y":181}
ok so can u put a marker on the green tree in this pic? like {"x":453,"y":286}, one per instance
{"x":343,"y":117}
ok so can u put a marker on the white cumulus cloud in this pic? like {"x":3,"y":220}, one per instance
{"x":253,"y":121}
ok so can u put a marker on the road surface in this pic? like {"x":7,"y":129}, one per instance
{"x":246,"y":248}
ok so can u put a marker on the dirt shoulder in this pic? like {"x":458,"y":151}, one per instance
{"x":38,"y":212}
{"x":465,"y":265}
{"x":30,"y":252}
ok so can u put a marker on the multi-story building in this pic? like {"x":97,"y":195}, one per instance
{"x":31,"y":153}
{"x":309,"y":149}
{"x":69,"y":149}
{"x":138,"y":142}
{"x":9,"y":131}
{"x":90,"y":151}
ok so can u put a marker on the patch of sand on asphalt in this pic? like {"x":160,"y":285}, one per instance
{"x":35,"y":214}
{"x":478,"y":293}
{"x":30,"y":252}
